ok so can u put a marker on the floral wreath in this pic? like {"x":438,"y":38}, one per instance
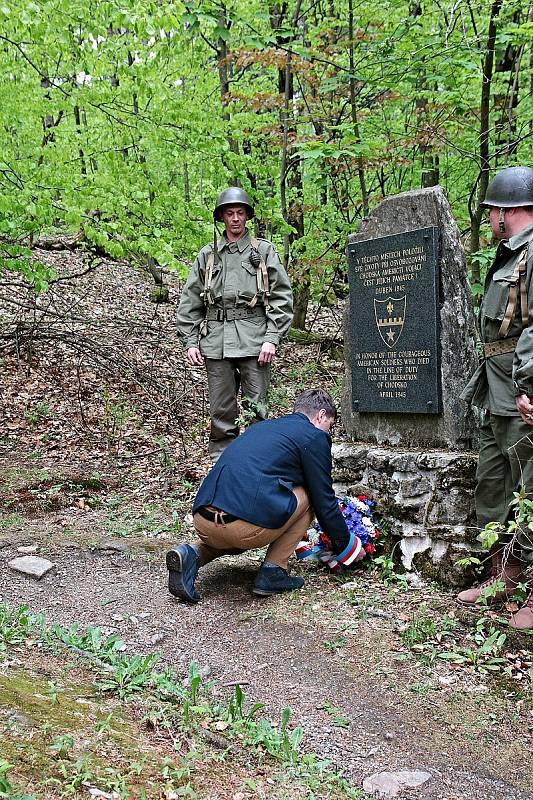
{"x":359,"y":515}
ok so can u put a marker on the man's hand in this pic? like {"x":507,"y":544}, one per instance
{"x":525,"y":408}
{"x":194,"y":357}
{"x":268,"y":351}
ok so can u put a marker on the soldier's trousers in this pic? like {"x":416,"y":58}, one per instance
{"x":224,"y":378}
{"x":505,"y":465}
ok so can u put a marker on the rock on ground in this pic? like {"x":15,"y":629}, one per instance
{"x":391,"y":784}
{"x":33,"y":566}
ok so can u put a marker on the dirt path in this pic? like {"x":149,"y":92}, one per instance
{"x":283,"y":652}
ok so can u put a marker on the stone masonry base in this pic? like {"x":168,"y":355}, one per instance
{"x":427,"y":498}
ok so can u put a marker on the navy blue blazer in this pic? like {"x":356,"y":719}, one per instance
{"x":254,"y":476}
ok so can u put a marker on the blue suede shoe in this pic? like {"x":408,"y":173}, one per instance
{"x":183,"y":564}
{"x":272,"y":579}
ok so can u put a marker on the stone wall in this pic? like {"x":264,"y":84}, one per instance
{"x":426,"y":497}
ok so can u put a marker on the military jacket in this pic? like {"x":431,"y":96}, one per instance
{"x":234,"y":285}
{"x":500,"y":378}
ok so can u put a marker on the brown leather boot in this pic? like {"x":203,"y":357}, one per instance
{"x":523,"y":619}
{"x":506,"y":568}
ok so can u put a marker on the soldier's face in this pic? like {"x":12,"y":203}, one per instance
{"x":234,"y":219}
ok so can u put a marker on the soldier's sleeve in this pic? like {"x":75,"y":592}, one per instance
{"x":191,"y":309}
{"x":279,"y":317}
{"x":523,"y":357}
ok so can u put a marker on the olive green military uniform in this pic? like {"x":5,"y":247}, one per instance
{"x":506,"y":448}
{"x":231,"y":328}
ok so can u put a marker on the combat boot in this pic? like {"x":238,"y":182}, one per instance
{"x":183,"y":564}
{"x":272,"y":579}
{"x":523,"y":619}
{"x":504,"y":568}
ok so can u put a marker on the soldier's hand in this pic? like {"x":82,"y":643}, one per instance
{"x":194,"y":357}
{"x":268,"y":351}
{"x":525,"y":408}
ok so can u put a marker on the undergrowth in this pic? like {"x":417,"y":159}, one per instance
{"x":179,"y":710}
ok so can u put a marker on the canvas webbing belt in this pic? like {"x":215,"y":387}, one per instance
{"x":230,"y":314}
{"x":501,"y":346}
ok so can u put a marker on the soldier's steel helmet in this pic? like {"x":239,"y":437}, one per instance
{"x":510,"y":188}
{"x":231,"y":197}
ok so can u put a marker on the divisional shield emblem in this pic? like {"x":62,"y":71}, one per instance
{"x":390,"y":316}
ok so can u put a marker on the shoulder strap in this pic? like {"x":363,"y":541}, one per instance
{"x":523,"y":288}
{"x":519,"y":278}
{"x":263,"y":284}
{"x":206,"y":293}
{"x":208,"y":277}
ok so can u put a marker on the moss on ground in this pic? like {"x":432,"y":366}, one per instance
{"x":57,"y":731}
{"x":63,"y":736}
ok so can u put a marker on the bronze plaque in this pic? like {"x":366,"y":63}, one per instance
{"x":394,"y":323}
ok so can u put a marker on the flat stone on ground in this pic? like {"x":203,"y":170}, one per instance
{"x":34,"y":566}
{"x":391,"y":784}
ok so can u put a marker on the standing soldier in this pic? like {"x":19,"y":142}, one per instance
{"x":235,"y":308}
{"x":503,"y":385}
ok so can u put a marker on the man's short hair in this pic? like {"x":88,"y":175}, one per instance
{"x":312,"y":401}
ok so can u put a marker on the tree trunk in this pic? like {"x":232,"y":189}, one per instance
{"x":476,"y":214}
{"x":77,"y":119}
{"x":291,"y":178}
{"x":140,"y":155}
{"x":429,"y":175}
{"x":507,"y":101}
{"x":355,"y":121}
{"x":224,"y":82}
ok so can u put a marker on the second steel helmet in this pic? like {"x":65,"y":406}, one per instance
{"x":510,"y":188}
{"x":231,"y":197}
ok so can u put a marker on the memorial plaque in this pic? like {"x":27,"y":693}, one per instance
{"x":394,"y":323}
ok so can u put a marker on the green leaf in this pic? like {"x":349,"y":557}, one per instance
{"x":455,"y":658}
{"x":222,"y":33}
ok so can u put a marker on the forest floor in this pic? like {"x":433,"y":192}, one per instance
{"x":121,"y":691}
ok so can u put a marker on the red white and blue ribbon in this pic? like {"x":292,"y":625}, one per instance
{"x":363,"y":529}
{"x":321,"y":550}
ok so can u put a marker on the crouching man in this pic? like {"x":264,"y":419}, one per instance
{"x":265,"y":489}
